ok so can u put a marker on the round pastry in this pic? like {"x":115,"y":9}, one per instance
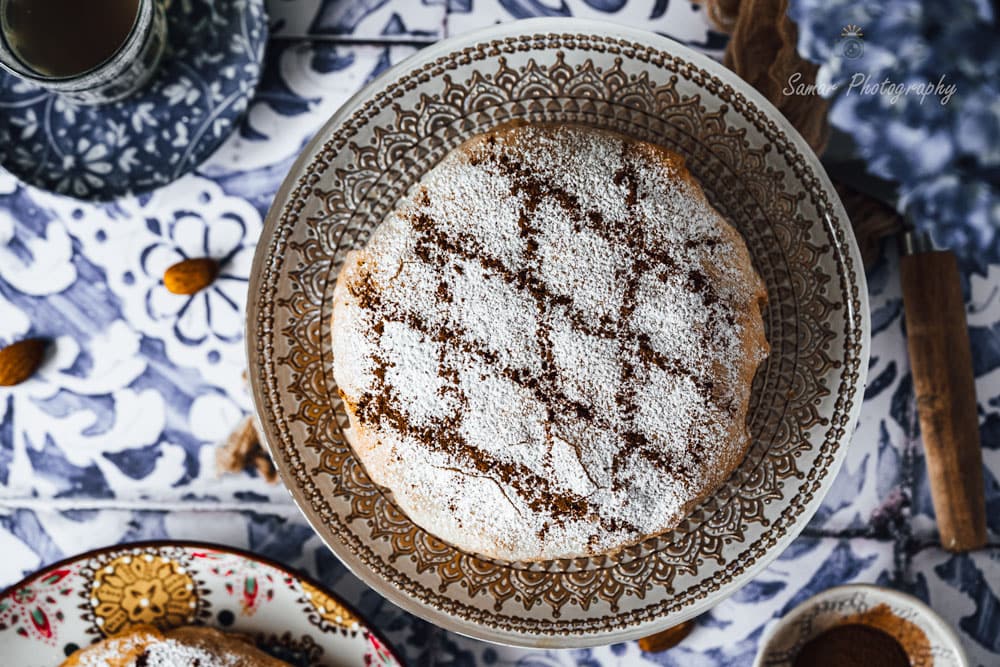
{"x":546,"y":349}
{"x":146,"y":646}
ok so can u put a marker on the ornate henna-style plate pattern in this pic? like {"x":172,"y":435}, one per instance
{"x":755,"y":169}
{"x":103,"y":593}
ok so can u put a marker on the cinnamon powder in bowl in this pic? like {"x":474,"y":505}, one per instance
{"x":853,"y":645}
{"x":860,"y":625}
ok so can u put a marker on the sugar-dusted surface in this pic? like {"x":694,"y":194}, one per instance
{"x":181,"y":647}
{"x":114,"y":650}
{"x":546,"y":351}
{"x":171,"y":653}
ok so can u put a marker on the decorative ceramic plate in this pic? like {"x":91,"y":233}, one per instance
{"x":203,"y":86}
{"x":756,"y":170}
{"x":927,"y":639}
{"x":83,"y":599}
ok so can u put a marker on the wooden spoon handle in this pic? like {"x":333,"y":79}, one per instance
{"x":941,"y":361}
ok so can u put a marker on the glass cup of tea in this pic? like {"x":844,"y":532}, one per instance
{"x":91,"y":51}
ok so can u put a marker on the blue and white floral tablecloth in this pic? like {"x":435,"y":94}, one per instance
{"x":114,"y":439}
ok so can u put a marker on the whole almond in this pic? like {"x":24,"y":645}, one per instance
{"x":19,"y":361}
{"x":191,"y":275}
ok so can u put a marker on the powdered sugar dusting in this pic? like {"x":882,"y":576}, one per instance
{"x":158,"y":653}
{"x":548,"y":344}
{"x":112,"y":649}
{"x":186,"y":646}
{"x":172,"y":653}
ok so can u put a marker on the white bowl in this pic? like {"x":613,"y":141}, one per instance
{"x":783,"y":641}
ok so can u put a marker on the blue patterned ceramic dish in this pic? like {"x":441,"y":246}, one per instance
{"x":204,"y":84}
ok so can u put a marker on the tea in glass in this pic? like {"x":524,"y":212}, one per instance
{"x":91,"y":50}
{"x":60,"y":38}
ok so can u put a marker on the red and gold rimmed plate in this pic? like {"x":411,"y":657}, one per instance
{"x":102,"y":593}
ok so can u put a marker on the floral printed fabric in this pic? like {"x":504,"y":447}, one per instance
{"x":113,"y":440}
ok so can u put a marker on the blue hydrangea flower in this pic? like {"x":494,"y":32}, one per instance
{"x":942,"y":148}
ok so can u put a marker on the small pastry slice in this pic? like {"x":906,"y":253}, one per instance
{"x":146,"y":646}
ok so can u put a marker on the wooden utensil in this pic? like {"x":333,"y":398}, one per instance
{"x":941,"y":361}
